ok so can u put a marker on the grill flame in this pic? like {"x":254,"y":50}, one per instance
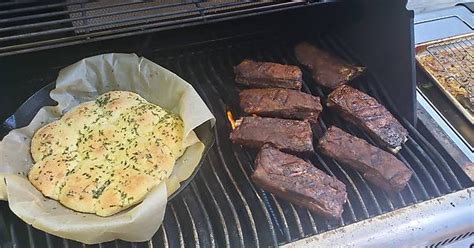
{"x":231,"y":119}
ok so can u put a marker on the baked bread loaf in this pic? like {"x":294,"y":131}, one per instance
{"x":104,"y":156}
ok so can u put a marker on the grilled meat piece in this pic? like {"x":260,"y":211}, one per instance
{"x":326,"y":69}
{"x":377,"y":166}
{"x":282,"y":103}
{"x":288,"y":135}
{"x":295,"y":180}
{"x":268,"y":75}
{"x":364,"y":111}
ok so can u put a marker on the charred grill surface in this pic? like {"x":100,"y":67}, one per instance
{"x":268,"y":75}
{"x":377,"y":166}
{"x":326,"y":69}
{"x":365,"y":112}
{"x":294,"y":179}
{"x":284,"y":103}
{"x":287,"y":135}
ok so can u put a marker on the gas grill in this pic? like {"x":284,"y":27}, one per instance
{"x":201,"y":41}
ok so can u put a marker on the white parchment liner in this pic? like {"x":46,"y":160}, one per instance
{"x":81,"y":82}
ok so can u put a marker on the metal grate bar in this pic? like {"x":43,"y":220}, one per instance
{"x":213,"y":73}
{"x":313,"y":223}
{"x":15,"y":3}
{"x":31,"y":241}
{"x":49,"y":243}
{"x":208,"y":231}
{"x":41,"y":7}
{"x":133,"y":30}
{"x":354,"y":189}
{"x":458,"y":55}
{"x":465,"y":44}
{"x":237,"y":229}
{"x":439,"y":158}
{"x":417,"y":179}
{"x":124,"y":20}
{"x":436,"y":50}
{"x":13,"y":235}
{"x":461,"y":51}
{"x":178,"y":225}
{"x":220,"y":216}
{"x":192,"y":225}
{"x":165,"y":236}
{"x":66,"y":243}
{"x":419,"y":166}
{"x":112,"y":13}
{"x":453,"y":70}
{"x":246,"y":205}
{"x":65,"y":12}
{"x":202,"y":69}
{"x":196,"y":3}
{"x":430,"y":162}
{"x":206,"y":214}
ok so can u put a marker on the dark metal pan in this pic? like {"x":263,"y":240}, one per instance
{"x":25,"y":113}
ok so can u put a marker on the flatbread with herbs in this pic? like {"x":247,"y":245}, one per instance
{"x":105,"y":155}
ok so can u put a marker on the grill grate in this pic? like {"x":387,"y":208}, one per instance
{"x":450,"y":63}
{"x":221,"y":206}
{"x":33,"y":26}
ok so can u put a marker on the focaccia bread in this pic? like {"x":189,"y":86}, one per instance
{"x":105,"y":155}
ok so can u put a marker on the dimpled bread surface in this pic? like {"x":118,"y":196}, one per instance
{"x":104,"y":156}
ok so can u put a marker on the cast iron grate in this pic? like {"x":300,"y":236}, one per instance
{"x":222,"y":207}
{"x":27,"y":26}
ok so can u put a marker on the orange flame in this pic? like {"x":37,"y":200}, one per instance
{"x":230,"y":117}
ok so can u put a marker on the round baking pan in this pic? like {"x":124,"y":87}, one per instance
{"x":25,"y":113}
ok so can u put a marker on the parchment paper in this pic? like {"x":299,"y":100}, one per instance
{"x":81,"y":82}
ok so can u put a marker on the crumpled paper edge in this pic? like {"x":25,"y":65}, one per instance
{"x":74,"y":86}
